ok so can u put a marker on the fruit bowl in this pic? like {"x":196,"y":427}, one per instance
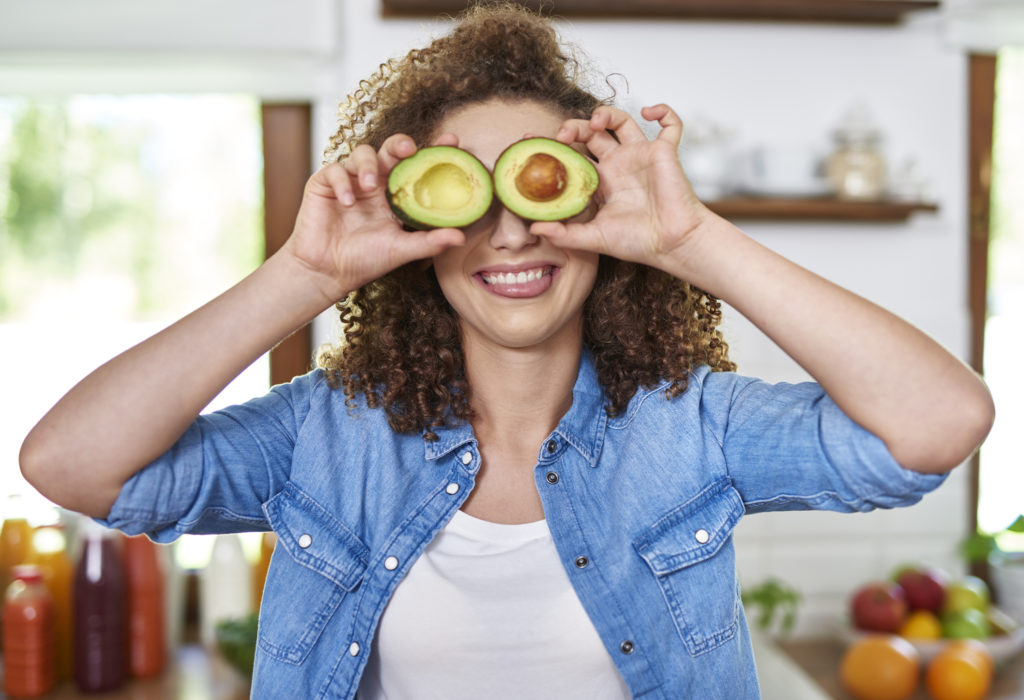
{"x":1001,"y":646}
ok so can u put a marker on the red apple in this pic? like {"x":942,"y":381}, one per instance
{"x":925,"y":588}
{"x":880,"y":606}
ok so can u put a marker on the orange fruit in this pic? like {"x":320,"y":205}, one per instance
{"x":880,"y":667}
{"x":976,"y":648}
{"x":961,"y":671}
{"x":921,"y":624}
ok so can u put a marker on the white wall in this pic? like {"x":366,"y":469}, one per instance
{"x":773,"y":83}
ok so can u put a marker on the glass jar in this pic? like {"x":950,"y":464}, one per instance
{"x":856,"y":169}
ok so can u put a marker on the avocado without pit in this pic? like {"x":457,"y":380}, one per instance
{"x":439,"y":187}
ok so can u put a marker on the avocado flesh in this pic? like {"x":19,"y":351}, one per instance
{"x":562,"y":200}
{"x":439,"y":187}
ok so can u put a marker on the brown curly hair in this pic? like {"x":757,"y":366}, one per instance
{"x":400,"y":344}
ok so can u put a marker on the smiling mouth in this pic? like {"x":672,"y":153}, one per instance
{"x":520,"y":284}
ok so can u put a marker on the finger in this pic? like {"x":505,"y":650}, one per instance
{"x":577,"y":236}
{"x":336,"y":181}
{"x":578,"y":130}
{"x":574,"y":130}
{"x":364,"y":166}
{"x":625,"y":127}
{"x":446,"y":140}
{"x":670,"y":122}
{"x":395,"y":148}
{"x":426,"y":244}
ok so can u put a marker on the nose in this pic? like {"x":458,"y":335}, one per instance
{"x":511,"y":232}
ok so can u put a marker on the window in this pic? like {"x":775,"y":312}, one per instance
{"x":1001,"y":481}
{"x":118,"y":215}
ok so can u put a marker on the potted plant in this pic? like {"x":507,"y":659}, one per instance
{"x":1006,"y":564}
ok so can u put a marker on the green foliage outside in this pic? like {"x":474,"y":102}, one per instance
{"x":87,"y":187}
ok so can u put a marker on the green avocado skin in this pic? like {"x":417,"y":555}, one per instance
{"x":402,"y":181}
{"x":403,"y":188}
{"x":583,"y":180}
{"x":403,"y":217}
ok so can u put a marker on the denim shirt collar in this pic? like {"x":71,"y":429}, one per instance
{"x":582,"y":426}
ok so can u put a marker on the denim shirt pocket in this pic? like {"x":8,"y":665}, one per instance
{"x":323,"y":561}
{"x":690,"y":552}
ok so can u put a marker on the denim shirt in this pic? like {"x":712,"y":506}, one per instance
{"x":641,"y":508}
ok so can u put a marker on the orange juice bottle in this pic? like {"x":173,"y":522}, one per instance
{"x":51,"y":556}
{"x":15,"y":543}
{"x":259,"y":574}
{"x":15,"y":547}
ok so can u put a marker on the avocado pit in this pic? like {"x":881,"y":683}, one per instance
{"x":542,"y":178}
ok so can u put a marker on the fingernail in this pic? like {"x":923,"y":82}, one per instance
{"x":348,"y":199}
{"x":369,"y":180}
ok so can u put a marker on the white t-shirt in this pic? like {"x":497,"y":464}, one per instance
{"x":488,"y":612}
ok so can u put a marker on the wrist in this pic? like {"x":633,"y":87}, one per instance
{"x":707,"y":254}
{"x":298,"y":287}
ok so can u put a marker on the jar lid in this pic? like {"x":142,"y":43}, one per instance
{"x":29,"y":573}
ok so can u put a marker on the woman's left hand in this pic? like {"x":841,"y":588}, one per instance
{"x":647,"y":208}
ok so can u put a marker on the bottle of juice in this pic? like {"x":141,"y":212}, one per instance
{"x":99,"y":613}
{"x":259,"y":574}
{"x":15,"y":543}
{"x":28,"y":635}
{"x":225,"y":587}
{"x":51,"y":556}
{"x":145,"y":584}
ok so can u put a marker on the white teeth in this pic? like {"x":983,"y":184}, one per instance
{"x":513,"y":277}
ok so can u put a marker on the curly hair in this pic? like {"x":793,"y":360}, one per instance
{"x":400,"y":344}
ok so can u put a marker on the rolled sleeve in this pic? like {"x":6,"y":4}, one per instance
{"x":790,"y":447}
{"x":218,"y":474}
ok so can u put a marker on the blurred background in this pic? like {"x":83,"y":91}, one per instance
{"x":152,"y":155}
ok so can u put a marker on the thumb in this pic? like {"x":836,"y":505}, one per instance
{"x":578,"y":236}
{"x":426,"y":244}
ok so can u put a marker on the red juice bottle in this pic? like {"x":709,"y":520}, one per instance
{"x":99,"y":611}
{"x":28,"y":635}
{"x":145,"y":583}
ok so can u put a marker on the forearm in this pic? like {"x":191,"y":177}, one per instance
{"x":930,"y":409}
{"x":131,"y":409}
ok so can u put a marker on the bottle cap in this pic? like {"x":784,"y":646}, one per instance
{"x":29,"y":573}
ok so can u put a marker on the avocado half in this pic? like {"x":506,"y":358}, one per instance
{"x":439,"y":187}
{"x":541,"y":179}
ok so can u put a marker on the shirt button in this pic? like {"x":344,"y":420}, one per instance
{"x":581,"y":562}
{"x":702,"y":536}
{"x":552,"y":446}
{"x":391,"y":563}
{"x":452,"y":489}
{"x":305,"y":540}
{"x":552,"y":478}
{"x":353,"y":649}
{"x":467,"y":457}
{"x":626,"y":647}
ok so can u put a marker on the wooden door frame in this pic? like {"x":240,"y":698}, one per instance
{"x":982,"y":97}
{"x":287,"y":147}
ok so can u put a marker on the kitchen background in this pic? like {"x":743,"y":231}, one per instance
{"x":766,"y":98}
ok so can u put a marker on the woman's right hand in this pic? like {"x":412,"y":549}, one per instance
{"x":345,"y":233}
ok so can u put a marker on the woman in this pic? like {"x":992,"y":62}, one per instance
{"x":523,"y":489}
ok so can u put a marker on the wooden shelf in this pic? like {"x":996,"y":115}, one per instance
{"x":855,"y":11}
{"x":816,"y":208}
